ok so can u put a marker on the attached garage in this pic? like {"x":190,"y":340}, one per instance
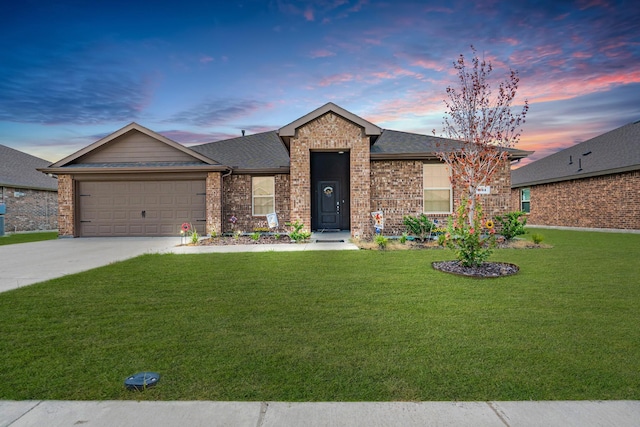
{"x":139,"y":208}
{"x":136,"y":183}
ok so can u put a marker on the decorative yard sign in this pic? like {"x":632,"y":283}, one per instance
{"x":272,"y":220}
{"x":483,"y":189}
{"x":378,"y":221}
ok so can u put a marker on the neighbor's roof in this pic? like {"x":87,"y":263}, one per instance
{"x":258,"y":152}
{"x":18,"y":169}
{"x":613,"y":152}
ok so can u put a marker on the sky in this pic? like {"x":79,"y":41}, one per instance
{"x":72,"y":72}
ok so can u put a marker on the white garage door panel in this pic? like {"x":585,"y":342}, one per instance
{"x":116,"y":208}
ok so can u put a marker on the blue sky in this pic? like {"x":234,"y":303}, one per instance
{"x":72,"y":72}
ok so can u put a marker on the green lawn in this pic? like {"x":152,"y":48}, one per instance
{"x":334,"y":326}
{"x":11,"y":239}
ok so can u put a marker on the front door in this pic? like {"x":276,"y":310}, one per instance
{"x":328,"y":203}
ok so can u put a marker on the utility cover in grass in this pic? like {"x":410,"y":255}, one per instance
{"x":142,"y":380}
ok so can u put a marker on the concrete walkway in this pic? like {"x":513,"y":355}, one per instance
{"x":282,"y":414}
{"x":24,"y":264}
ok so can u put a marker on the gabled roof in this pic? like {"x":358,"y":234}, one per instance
{"x":406,"y":145}
{"x":131,"y":127}
{"x":18,"y":169}
{"x":288,"y":131}
{"x":258,"y":152}
{"x":84,"y":159}
{"x":613,"y":152}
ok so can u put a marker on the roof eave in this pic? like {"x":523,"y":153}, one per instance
{"x":576,"y":176}
{"x":403,"y":156}
{"x":261,"y":171}
{"x":143,"y":169}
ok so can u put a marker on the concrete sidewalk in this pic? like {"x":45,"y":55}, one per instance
{"x":283,"y":414}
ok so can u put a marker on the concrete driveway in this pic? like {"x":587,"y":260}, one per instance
{"x":27,"y":263}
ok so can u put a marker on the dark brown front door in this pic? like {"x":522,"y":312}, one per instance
{"x":329,"y":215}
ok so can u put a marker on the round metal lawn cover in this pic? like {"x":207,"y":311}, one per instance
{"x":142,"y":380}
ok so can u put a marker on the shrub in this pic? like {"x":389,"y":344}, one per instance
{"x":420,"y":226}
{"x":471,"y":246}
{"x":537,"y":238}
{"x":255,"y":236}
{"x":381,"y":241}
{"x":403,"y":238}
{"x":296,"y":234}
{"x":512,"y":224}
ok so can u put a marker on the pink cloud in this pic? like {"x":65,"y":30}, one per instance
{"x":308,"y":14}
{"x":321,"y":53}
{"x":550,"y":89}
{"x":335,"y":79}
{"x":582,"y":55}
{"x":428,"y":64}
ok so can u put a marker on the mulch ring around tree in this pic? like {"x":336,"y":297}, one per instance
{"x":485,"y":270}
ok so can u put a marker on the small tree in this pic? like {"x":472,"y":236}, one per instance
{"x":485,"y":127}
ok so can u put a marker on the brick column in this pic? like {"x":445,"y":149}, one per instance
{"x":214,"y":202}
{"x":66,"y":207}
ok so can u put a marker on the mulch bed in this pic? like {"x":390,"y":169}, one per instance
{"x":485,"y":270}
{"x":245,"y":240}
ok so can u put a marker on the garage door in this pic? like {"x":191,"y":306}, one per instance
{"x":140,"y":208}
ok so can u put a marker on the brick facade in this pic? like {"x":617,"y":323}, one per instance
{"x":330,"y":132}
{"x":237,"y":202}
{"x":499,"y":201}
{"x":66,"y":208}
{"x":213,"y":189}
{"x":608,"y":201}
{"x":397,"y":190}
{"x":29,"y":209}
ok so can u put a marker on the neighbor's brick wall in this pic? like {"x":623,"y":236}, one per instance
{"x":66,"y":213}
{"x":396,"y":189}
{"x":29,"y":210}
{"x":237,"y":202}
{"x":609,"y":201}
{"x":331,"y":132}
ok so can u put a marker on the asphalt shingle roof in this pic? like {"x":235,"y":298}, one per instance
{"x":397,"y":142}
{"x":251,"y":152}
{"x":612,"y":152}
{"x":18,"y":169}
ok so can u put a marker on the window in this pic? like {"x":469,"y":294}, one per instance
{"x":437,"y":188}
{"x":525,"y":203}
{"x":263,"y":195}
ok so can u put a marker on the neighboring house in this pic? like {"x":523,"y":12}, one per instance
{"x":29,"y":196}
{"x":594,"y":184}
{"x":329,"y":170}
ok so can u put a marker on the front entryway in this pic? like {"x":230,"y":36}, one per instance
{"x":330,"y":191}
